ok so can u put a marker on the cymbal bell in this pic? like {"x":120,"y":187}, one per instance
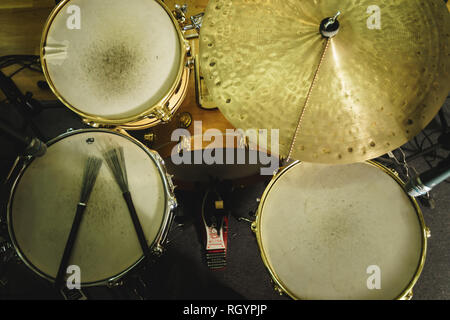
{"x":382,"y":78}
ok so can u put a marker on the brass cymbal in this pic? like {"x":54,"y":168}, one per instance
{"x":383,"y":77}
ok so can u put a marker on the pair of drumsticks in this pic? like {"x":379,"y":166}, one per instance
{"x":116,"y":162}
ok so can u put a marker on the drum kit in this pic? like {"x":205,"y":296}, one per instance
{"x":342,"y":82}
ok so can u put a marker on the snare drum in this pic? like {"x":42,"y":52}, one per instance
{"x":341,"y":232}
{"x":116,"y":62}
{"x":44,"y":198}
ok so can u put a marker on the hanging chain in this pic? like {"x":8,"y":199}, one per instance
{"x":308,"y":96}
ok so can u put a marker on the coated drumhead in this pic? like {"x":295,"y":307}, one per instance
{"x":340,"y":232}
{"x":45,"y":199}
{"x":112,"y":59}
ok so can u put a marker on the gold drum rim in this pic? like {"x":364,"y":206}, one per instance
{"x":406,"y":294}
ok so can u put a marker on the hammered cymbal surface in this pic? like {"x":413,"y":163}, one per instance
{"x":376,"y":88}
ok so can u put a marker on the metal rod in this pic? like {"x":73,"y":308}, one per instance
{"x":332,"y":20}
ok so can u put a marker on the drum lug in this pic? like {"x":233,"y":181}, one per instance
{"x":408,"y":296}
{"x":173,"y":202}
{"x":163,"y":113}
{"x":91,"y":123}
{"x":394,"y":172}
{"x":275,"y":172}
{"x":188,"y":49}
{"x":158,"y":158}
{"x":180,"y":13}
{"x":254,"y":227}
{"x":190,"y":63}
{"x":188,"y":53}
{"x":171,"y":186}
{"x":115,"y":283}
{"x":278,"y":289}
{"x":427,"y":232}
{"x":158,"y":250}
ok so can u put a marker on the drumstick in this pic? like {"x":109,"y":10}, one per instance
{"x":91,"y":171}
{"x":116,"y":162}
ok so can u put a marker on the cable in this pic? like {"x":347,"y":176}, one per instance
{"x":29,"y":62}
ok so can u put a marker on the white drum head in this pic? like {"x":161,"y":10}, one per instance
{"x":45,"y":199}
{"x":123,"y":59}
{"x":321,"y":228}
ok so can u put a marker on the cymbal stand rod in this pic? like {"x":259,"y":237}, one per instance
{"x":332,"y":20}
